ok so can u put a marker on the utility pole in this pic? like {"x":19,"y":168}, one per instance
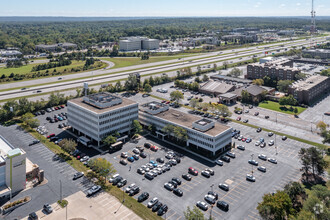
{"x":60,"y":190}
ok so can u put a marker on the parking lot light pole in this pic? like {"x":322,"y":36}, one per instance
{"x":212,"y":187}
{"x":275,"y":144}
{"x":252,"y":164}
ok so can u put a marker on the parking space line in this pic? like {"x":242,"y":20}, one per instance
{"x":172,"y":214}
{"x":214,"y":210}
{"x":179,"y":217}
{"x":252,"y":217}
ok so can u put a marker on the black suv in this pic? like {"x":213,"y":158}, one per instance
{"x":225,"y":158}
{"x":223,"y":205}
{"x":135,"y":190}
{"x":186,"y":177}
{"x":144,"y":196}
{"x":156,"y":207}
{"x":162,"y":210}
{"x":177,"y":180}
{"x":178,"y":192}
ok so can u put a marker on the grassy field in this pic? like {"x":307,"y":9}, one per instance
{"x":275,"y":106}
{"x":27,"y":68}
{"x":130,"y":61}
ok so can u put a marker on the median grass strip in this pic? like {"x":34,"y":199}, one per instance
{"x":130,"y":202}
{"x":275,"y":106}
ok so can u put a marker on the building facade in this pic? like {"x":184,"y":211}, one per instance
{"x":138,"y":43}
{"x":98,"y":115}
{"x":321,"y":53}
{"x":306,"y":91}
{"x":55,"y":47}
{"x":280,"y":69}
{"x":204,"y":136}
{"x":12,"y":169}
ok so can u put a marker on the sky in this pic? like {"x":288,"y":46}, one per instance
{"x":162,"y":8}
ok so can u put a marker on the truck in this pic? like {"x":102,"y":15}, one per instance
{"x":116,"y":146}
{"x":84,"y":141}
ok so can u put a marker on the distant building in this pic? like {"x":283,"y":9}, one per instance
{"x":280,"y":69}
{"x":286,"y":32}
{"x":265,"y":59}
{"x":216,"y":88}
{"x":138,"y":43}
{"x":242,"y":37}
{"x":98,"y":115}
{"x":203,"y":40}
{"x":322,"y":53}
{"x":12,"y":169}
{"x":306,"y":91}
{"x":55,"y":47}
{"x":205,"y":137}
{"x":9,"y":53}
{"x":255,"y":92}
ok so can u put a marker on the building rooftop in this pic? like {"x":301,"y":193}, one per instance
{"x":5,"y":147}
{"x":215,"y":86}
{"x":309,"y":82}
{"x":102,"y":100}
{"x":80,"y":102}
{"x":187,"y":120}
{"x":232,"y":79}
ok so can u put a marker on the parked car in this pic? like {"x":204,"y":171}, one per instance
{"x":144,"y":196}
{"x":113,"y":178}
{"x":219,"y":162}
{"x":262,"y":157}
{"x":206,"y":174}
{"x":152,"y":202}
{"x":259,"y":130}
{"x":284,"y":138}
{"x":210,"y":199}
{"x":34,"y":142}
{"x":253,"y":162}
{"x":117,"y":180}
{"x":154,"y":148}
{"x":231,"y":154}
{"x":176,"y":180}
{"x":131,"y":159}
{"x":93,"y":190}
{"x":162,"y":210}
{"x":134,"y":190}
{"x":225,"y":158}
{"x":270,"y":134}
{"x":240,"y":147}
{"x":160,"y":160}
{"x":250,"y":177}
{"x":224,"y":186}
{"x":124,"y":155}
{"x":262,"y":169}
{"x":33,"y":216}
{"x":202,"y":205}
{"x":78,"y":175}
{"x":223,"y":205}
{"x":192,"y":171}
{"x":136,"y":151}
{"x":210,"y":171}
{"x":48,"y":209}
{"x":168,"y":186}
{"x":123,"y":162}
{"x":143,"y":155}
{"x":186,"y":177}
{"x":157,"y":206}
{"x":272,"y":160}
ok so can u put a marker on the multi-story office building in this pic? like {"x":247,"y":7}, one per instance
{"x":280,"y":69}
{"x":55,"y":47}
{"x":306,"y":91}
{"x":138,"y":43}
{"x":98,"y":115}
{"x":12,"y":169}
{"x":204,"y":136}
{"x":321,"y":53}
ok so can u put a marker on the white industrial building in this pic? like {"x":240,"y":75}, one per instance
{"x":12,"y":169}
{"x":138,"y":43}
{"x":204,"y":136}
{"x":98,"y":115}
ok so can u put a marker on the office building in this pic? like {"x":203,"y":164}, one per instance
{"x":308,"y":90}
{"x":99,"y":115}
{"x":280,"y":69}
{"x":317,"y":53}
{"x":56,"y":47}
{"x":204,"y":136}
{"x":12,"y":169}
{"x":138,"y":43}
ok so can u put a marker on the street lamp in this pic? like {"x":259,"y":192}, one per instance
{"x":252,"y":164}
{"x":275,"y":144}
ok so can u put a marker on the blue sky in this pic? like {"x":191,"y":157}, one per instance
{"x":178,"y":8}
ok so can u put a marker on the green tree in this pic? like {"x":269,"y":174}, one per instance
{"x":235,"y":72}
{"x":168,"y":129}
{"x":180,"y":133}
{"x":321,"y":125}
{"x":246,"y":97}
{"x":288,"y":100}
{"x":258,"y":82}
{"x":109,"y":140}
{"x":29,"y":120}
{"x":176,"y":96}
{"x":276,"y":206}
{"x":131,"y":84}
{"x":147,"y":88}
{"x":193,"y":103}
{"x":137,"y":127}
{"x":283,"y":85}
{"x":78,"y":91}
{"x":193,"y":214}
{"x":102,"y":166}
{"x":296,"y":193}
{"x":69,"y":145}
{"x":224,"y":110}
{"x":205,"y":78}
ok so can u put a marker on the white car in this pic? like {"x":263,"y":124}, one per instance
{"x":136,"y":151}
{"x":219,"y":162}
{"x":262,"y":157}
{"x":124,"y":155}
{"x":210,"y":199}
{"x":152,"y":202}
{"x":85,"y":158}
{"x":271,"y":143}
{"x":257,"y":143}
{"x":250,"y":177}
{"x":113,"y":177}
{"x":272,"y":160}
{"x":246,"y":111}
{"x":127,"y":189}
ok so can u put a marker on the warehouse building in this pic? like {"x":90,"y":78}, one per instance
{"x":99,"y":115}
{"x":138,"y":43}
{"x":204,"y":136}
{"x":12,"y":169}
{"x":56,"y":47}
{"x":308,"y":90}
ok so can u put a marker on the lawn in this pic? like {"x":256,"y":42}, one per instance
{"x":131,"y":61}
{"x":27,"y":68}
{"x":275,"y":106}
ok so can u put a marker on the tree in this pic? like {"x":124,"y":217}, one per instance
{"x":223,"y":109}
{"x":205,"y":78}
{"x":168,"y":129}
{"x":258,"y":82}
{"x":176,"y":96}
{"x":296,"y":193}
{"x":246,"y":97}
{"x":197,"y":79}
{"x":131,"y":83}
{"x":109,"y":140}
{"x":194,"y":214}
{"x":295,"y":111}
{"x":102,"y":166}
{"x":215,"y":67}
{"x":235,"y":72}
{"x":283,"y":85}
{"x":180,"y":133}
{"x":193,"y":103}
{"x":69,"y":145}
{"x":275,"y":206}
{"x":147,"y":88}
{"x":225,"y":65}
{"x":78,"y":92}
{"x":137,"y":127}
{"x":321,"y":125}
{"x":29,"y":120}
{"x":288,"y":100}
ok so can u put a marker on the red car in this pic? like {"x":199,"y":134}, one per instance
{"x":163,"y":101}
{"x":56,"y":108}
{"x":62,"y":106}
{"x":243,"y":139}
{"x":192,"y":171}
{"x":168,"y":102}
{"x":51,"y":135}
{"x":154,"y":148}
{"x":238,"y":118}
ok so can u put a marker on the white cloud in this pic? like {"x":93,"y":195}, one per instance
{"x":298,"y":4}
{"x":282,"y":5}
{"x":257,"y":4}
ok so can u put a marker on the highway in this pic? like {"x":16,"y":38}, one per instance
{"x":214,"y":57}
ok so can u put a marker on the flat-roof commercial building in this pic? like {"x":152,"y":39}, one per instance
{"x":216,"y":88}
{"x":12,"y":169}
{"x":306,"y":91}
{"x":138,"y":43}
{"x":99,"y":115}
{"x":204,"y":136}
{"x":321,"y":53}
{"x":54,"y":47}
{"x":280,"y":69}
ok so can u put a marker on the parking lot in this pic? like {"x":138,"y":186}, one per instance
{"x":243,"y":195}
